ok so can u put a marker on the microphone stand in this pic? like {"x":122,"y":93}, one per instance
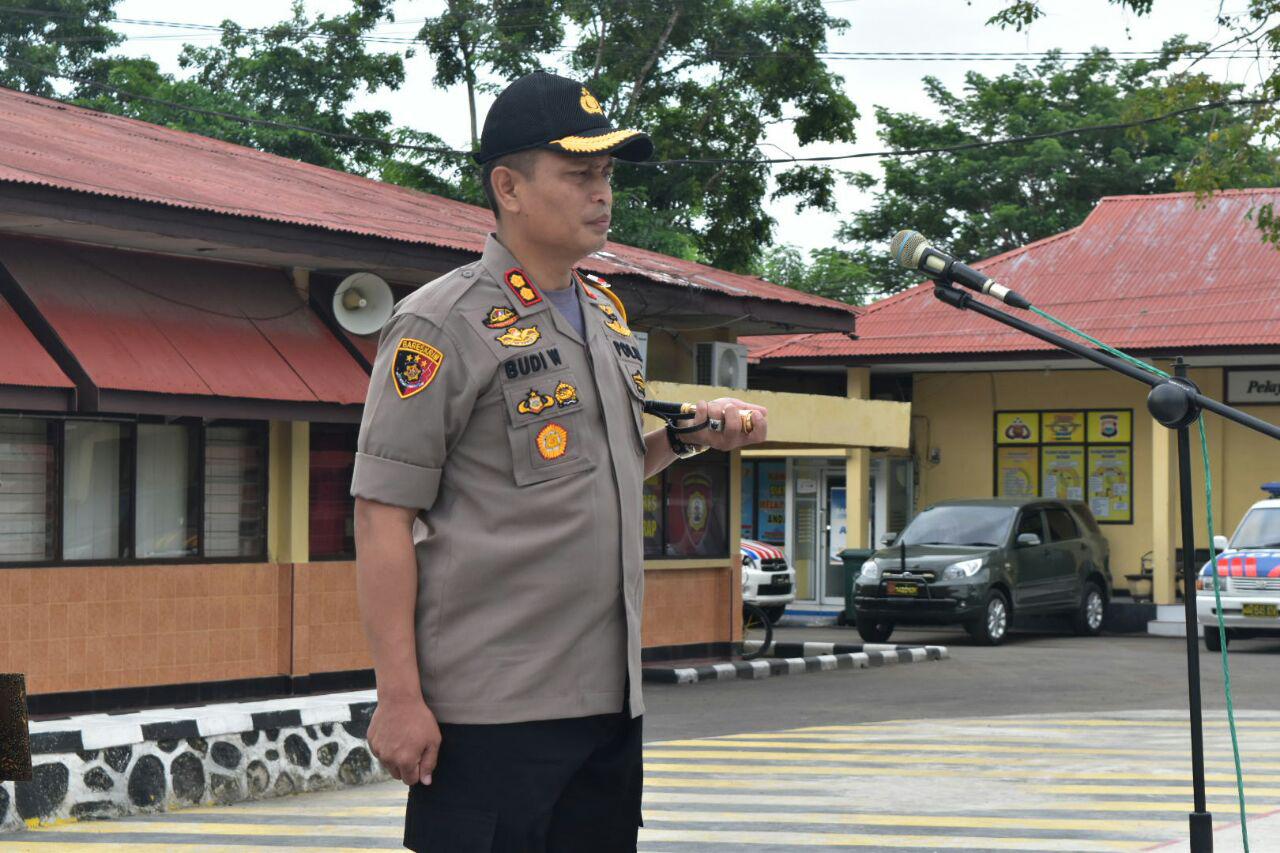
{"x":1176,"y":403}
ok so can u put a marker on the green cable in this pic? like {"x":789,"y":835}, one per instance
{"x":1213,"y":556}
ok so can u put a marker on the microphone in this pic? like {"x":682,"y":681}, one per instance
{"x":914,"y":252}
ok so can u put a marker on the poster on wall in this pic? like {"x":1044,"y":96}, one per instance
{"x":838,"y":529}
{"x":696,"y":511}
{"x":748,"y":501}
{"x":1062,"y":472}
{"x":652,"y":516}
{"x":1062,"y":428}
{"x":1017,"y":472}
{"x":1017,"y":427}
{"x":1113,"y":427}
{"x":772,"y":520}
{"x":1110,"y":474}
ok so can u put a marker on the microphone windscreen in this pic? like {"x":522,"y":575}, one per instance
{"x":906,"y":248}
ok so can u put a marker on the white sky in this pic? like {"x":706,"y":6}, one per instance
{"x":875,"y":25}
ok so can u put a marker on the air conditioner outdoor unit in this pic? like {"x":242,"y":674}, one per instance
{"x":722,"y":365}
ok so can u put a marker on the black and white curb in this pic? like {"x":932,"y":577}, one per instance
{"x":109,"y":765}
{"x":798,"y":658}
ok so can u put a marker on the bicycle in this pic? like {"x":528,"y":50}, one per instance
{"x":757,"y":632}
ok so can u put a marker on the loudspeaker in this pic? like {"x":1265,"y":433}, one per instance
{"x":362,"y":303}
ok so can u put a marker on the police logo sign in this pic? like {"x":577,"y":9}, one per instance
{"x":416,"y":364}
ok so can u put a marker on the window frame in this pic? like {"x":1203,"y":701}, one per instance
{"x":128,"y":477}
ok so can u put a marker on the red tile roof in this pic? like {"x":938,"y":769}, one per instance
{"x":52,"y":144}
{"x":1141,"y":273}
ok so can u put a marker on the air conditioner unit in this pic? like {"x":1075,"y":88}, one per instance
{"x":722,"y":365}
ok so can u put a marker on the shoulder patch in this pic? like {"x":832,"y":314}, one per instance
{"x":522,"y":287}
{"x":416,"y":364}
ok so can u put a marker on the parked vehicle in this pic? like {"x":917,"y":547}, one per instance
{"x":767,"y":580}
{"x":978,"y":563}
{"x":1248,"y":577}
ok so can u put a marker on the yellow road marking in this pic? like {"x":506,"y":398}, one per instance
{"x":152,"y":827}
{"x":1178,"y":809}
{"x":1001,"y":722}
{"x":878,"y":819}
{"x":1173,"y":790}
{"x":164,"y":846}
{"x":931,"y":842}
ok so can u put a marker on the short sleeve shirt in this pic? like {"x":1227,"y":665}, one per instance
{"x":519,"y":441}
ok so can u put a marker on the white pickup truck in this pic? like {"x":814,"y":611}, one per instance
{"x":1248,"y":577}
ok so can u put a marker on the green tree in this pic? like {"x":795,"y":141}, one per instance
{"x":59,"y":36}
{"x":986,"y":200}
{"x":828,"y":272}
{"x":301,"y":71}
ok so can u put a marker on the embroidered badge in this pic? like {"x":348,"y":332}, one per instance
{"x":521,"y":287}
{"x":415,"y":365}
{"x":566,"y":395}
{"x":518,"y":337}
{"x":500,"y":317}
{"x":614,"y":322}
{"x":552,"y":441}
{"x":638,"y":378}
{"x":589,"y":103}
{"x":535,"y":403}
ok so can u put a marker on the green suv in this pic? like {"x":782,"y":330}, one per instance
{"x":976,"y":563}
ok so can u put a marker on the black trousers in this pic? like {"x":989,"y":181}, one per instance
{"x":548,"y":786}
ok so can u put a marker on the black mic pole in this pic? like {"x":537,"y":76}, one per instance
{"x":1175,"y":403}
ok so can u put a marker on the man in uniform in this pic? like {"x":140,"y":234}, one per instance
{"x":498,"y":483}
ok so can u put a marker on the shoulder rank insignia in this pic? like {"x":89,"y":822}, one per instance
{"x":415,"y":365}
{"x":613,"y":321}
{"x":518,"y":337}
{"x":535,"y":403}
{"x":500,"y":316}
{"x":552,"y":441}
{"x":638,"y":379}
{"x":520,"y":286}
{"x":566,"y":395}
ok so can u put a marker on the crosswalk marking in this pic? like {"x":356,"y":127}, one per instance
{"x":1022,"y":783}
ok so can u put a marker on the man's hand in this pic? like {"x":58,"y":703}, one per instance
{"x":405,"y":737}
{"x":742,"y":424}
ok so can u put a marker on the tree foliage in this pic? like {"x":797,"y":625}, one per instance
{"x":983,"y":201}
{"x":59,"y":36}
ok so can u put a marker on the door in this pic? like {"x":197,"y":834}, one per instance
{"x":834,"y":538}
{"x":1034,"y":577}
{"x":1067,"y":553}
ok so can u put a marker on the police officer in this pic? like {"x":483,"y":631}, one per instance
{"x":498,"y":483}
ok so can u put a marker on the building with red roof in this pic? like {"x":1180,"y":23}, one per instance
{"x":1159,"y":276}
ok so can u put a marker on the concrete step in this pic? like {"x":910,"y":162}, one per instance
{"x":1170,"y":621}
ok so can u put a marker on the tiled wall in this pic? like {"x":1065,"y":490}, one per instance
{"x":689,"y":606}
{"x":327,"y":634}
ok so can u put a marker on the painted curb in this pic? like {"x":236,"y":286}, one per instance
{"x":796,"y":659}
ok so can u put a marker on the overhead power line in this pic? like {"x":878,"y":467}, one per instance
{"x":681,"y":161}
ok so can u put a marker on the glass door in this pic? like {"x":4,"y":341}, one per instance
{"x":835,"y":534}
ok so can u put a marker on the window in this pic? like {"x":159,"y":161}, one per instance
{"x":235,"y":492}
{"x":764,"y":501}
{"x":333,"y":455}
{"x":1030,"y":522}
{"x":695,"y":509}
{"x":96,"y":495}
{"x":1061,"y":525}
{"x":168,"y":507}
{"x":28,"y":489}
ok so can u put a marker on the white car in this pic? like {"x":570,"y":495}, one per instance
{"x":767,"y":580}
{"x":1248,"y":577}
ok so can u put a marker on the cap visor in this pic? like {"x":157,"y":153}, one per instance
{"x":634,"y":145}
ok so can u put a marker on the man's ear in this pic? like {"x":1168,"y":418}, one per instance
{"x":505,"y":183}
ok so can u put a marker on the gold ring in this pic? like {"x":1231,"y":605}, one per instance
{"x":748,"y":424}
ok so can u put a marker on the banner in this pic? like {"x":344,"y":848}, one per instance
{"x":1017,"y":472}
{"x":1063,"y":472}
{"x":1110,"y":473}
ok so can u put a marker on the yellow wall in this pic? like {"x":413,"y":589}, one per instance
{"x":952,"y":412}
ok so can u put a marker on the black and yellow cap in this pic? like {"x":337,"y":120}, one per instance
{"x":542,"y":110}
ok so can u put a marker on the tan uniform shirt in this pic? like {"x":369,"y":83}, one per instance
{"x":522,"y":447}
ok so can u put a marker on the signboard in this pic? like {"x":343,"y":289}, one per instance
{"x":1017,"y":427}
{"x":1062,"y":428}
{"x":1254,"y":386}
{"x":1017,"y":472}
{"x":1062,"y":473}
{"x":1110,"y":474}
{"x":771,"y":525}
{"x":1110,"y":427}
{"x":748,"y":501}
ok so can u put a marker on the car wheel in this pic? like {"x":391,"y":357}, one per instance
{"x":874,"y":632}
{"x":1091,"y":613}
{"x":992,"y":626}
{"x":1212,"y":641}
{"x":774,"y":613}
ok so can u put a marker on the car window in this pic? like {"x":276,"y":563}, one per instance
{"x":1260,"y":529}
{"x":958,"y":525}
{"x":1085,"y":517}
{"x":1030,"y":522}
{"x":1061,"y":525}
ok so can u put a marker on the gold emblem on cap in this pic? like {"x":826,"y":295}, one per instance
{"x":589,"y":103}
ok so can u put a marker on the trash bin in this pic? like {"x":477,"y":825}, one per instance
{"x":853,"y":559}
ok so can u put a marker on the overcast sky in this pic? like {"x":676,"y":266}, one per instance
{"x":875,"y":25}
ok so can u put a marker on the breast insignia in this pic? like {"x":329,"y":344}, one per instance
{"x":517,"y":337}
{"x":500,"y":317}
{"x":613,"y":321}
{"x":566,"y":395}
{"x":638,"y":379}
{"x":535,"y":403}
{"x":552,"y":441}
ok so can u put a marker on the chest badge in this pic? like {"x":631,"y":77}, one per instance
{"x":566,"y":395}
{"x":518,"y":337}
{"x":416,"y":364}
{"x":522,"y":288}
{"x":500,"y":317}
{"x":613,"y":321}
{"x":552,"y":441}
{"x":638,"y":379}
{"x":535,"y":403}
